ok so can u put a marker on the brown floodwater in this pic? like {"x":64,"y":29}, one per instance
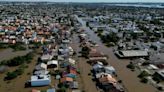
{"x":130,"y":80}
{"x":7,"y":54}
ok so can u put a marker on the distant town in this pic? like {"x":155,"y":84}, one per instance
{"x":81,"y":47}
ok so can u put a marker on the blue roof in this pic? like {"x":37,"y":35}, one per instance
{"x":51,"y":90}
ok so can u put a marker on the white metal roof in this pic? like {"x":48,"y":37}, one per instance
{"x":52,"y":62}
{"x":130,"y":53}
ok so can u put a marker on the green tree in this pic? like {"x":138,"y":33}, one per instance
{"x":143,"y":74}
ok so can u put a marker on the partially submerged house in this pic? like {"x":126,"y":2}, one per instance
{"x":95,"y":56}
{"x":66,"y":80}
{"x":51,"y":90}
{"x":41,"y":66}
{"x":41,"y":80}
{"x":74,"y":85}
{"x":46,"y":57}
{"x":131,"y":53}
{"x":109,"y":84}
{"x":52,"y":64}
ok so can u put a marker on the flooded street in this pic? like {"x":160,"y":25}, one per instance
{"x":129,"y":78}
{"x":86,"y":80}
{"x":7,"y":54}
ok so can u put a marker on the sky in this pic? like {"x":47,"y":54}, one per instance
{"x":92,"y":0}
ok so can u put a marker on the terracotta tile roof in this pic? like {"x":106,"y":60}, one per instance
{"x":73,"y":71}
{"x":66,"y":79}
{"x":107,"y":79}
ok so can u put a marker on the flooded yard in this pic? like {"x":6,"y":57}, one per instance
{"x":7,"y":54}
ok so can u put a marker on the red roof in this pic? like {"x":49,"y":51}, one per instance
{"x":66,"y":79}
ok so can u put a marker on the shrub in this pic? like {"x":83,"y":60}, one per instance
{"x":143,"y":74}
{"x":11,"y":75}
{"x":130,"y":66}
{"x":144,"y":80}
{"x":160,"y":88}
{"x":18,"y":60}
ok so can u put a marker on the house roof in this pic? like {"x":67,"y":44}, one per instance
{"x":52,"y":62}
{"x":40,"y":77}
{"x":41,"y":72}
{"x":46,"y":57}
{"x":74,"y":85}
{"x":96,"y":54}
{"x":133,"y":53}
{"x":35,"y":90}
{"x":68,"y":79}
{"x":72,"y":71}
{"x":161,"y":72}
{"x":72,"y":61}
{"x":41,"y":66}
{"x":107,"y":78}
{"x":109,"y":68}
{"x":97,"y":66}
{"x":51,"y":90}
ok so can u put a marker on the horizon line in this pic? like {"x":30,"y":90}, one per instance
{"x":77,"y":2}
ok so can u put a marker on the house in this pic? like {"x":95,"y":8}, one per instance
{"x":70,"y":51}
{"x":65,"y":41}
{"x":109,"y":84}
{"x":96,"y":56}
{"x":98,"y":75}
{"x":74,"y":85}
{"x":157,"y":58}
{"x":109,"y":70}
{"x":41,"y":72}
{"x":66,"y":80}
{"x":52,"y":64}
{"x":45,"y":57}
{"x":76,"y":90}
{"x":40,"y":80}
{"x":51,"y":90}
{"x":109,"y":87}
{"x":71,"y":61}
{"x":107,"y":78}
{"x":35,"y":90}
{"x":63,"y":51}
{"x":160,"y":74}
{"x":97,"y":67}
{"x":72,"y":73}
{"x":41,"y":66}
{"x":131,"y":53}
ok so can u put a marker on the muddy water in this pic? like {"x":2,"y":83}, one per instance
{"x":129,"y":78}
{"x":86,"y":81}
{"x":9,"y":53}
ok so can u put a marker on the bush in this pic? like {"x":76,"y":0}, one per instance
{"x":157,"y":78}
{"x":130,"y":66}
{"x":120,"y":81}
{"x":160,"y":88}
{"x":11,"y":75}
{"x":112,"y":37}
{"x":85,"y":51}
{"x":18,"y":60}
{"x":19,"y":71}
{"x":144,"y":80}
{"x":143,"y":74}
{"x":15,"y":47}
{"x":145,"y":63}
{"x":14,"y":74}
